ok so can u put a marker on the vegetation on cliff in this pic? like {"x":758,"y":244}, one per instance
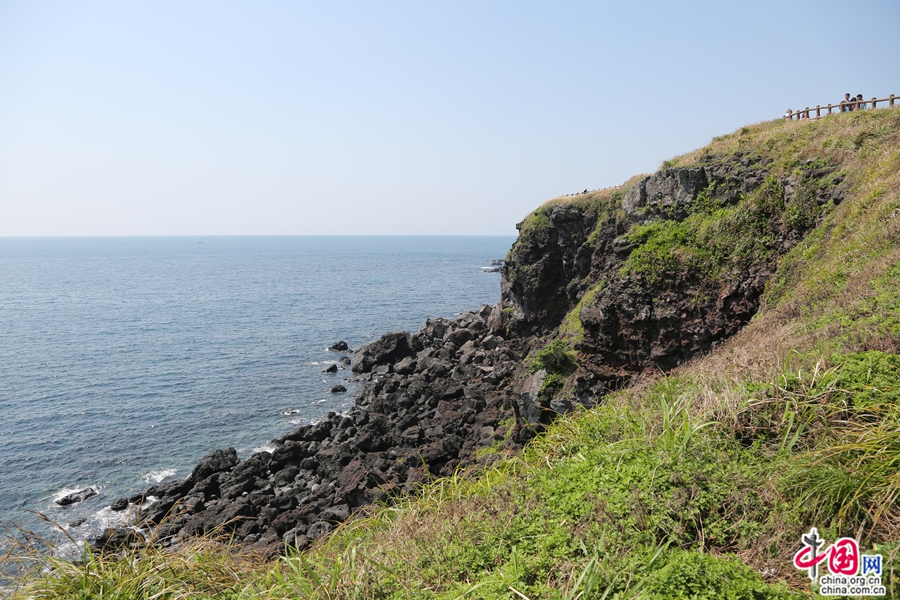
{"x":696,"y":483}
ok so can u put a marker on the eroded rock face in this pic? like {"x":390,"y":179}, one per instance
{"x":635,"y":324}
{"x":667,"y":193}
{"x":542,"y":271}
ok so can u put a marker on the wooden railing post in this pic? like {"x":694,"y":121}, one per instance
{"x":842,"y":106}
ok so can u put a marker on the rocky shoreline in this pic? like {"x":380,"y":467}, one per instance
{"x":427,"y":403}
{"x":458,"y":392}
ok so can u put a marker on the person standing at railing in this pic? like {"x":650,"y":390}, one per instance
{"x":847,"y":103}
{"x":789,"y":115}
{"x":860,"y":105}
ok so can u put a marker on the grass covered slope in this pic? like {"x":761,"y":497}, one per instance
{"x":696,"y":484}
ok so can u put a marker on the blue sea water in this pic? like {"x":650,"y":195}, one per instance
{"x":124,"y":360}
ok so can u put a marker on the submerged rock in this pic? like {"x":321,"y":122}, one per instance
{"x":75,"y":497}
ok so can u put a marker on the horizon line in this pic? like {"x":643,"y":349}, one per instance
{"x":273,"y":235}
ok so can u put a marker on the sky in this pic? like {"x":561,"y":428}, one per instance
{"x":435,"y":118}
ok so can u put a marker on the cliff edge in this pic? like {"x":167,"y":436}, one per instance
{"x":601,"y":292}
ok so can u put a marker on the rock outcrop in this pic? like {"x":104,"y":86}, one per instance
{"x":75,"y":497}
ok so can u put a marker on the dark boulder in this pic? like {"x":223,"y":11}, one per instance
{"x":214,"y":462}
{"x":392,"y":347}
{"x":339,"y":347}
{"x":79,"y":496}
{"x":119,"y":505}
{"x":172,"y":488}
{"x":319,"y":529}
{"x":207,"y":488}
{"x":157,"y":512}
{"x":330,"y":369}
{"x":112,"y":540}
{"x":406,"y":366}
{"x":338,"y":389}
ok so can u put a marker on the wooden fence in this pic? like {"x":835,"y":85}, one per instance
{"x":843,"y":106}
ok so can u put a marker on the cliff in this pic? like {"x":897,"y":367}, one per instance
{"x":729,"y":323}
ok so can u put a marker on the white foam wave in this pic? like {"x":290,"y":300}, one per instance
{"x":157,"y":476}
{"x":264,"y":448}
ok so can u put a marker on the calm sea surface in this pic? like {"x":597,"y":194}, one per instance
{"x":124,"y":360}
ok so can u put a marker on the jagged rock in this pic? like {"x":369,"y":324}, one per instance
{"x":339,"y":347}
{"x":119,"y":505}
{"x":337,"y":513}
{"x":330,"y":369}
{"x":406,"y":366}
{"x":296,"y":537}
{"x":318,"y":529}
{"x":117,"y":538}
{"x":491,"y":342}
{"x":79,"y":496}
{"x":214,"y":462}
{"x":665,"y":194}
{"x":171,"y":488}
{"x":159,"y":510}
{"x":495,"y":319}
{"x":528,"y":400}
{"x":391,"y":347}
{"x":338,"y":389}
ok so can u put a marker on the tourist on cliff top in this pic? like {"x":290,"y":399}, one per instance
{"x":860,"y":105}
{"x":847,"y":103}
{"x":789,"y":114}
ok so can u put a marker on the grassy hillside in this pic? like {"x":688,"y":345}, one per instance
{"x":697,"y":484}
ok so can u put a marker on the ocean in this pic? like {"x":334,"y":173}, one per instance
{"x":124,"y":360}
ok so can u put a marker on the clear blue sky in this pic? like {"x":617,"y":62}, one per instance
{"x":217,"y":117}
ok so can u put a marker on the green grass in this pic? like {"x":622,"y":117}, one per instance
{"x":715,"y":241}
{"x":559,"y":361}
{"x":571,"y":328}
